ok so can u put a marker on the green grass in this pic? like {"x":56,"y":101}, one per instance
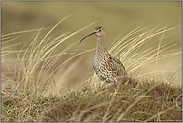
{"x":36,"y":84}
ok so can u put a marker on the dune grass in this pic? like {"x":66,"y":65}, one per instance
{"x":147,"y":102}
{"x":30,"y":92}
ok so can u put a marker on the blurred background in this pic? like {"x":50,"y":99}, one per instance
{"x":115,"y":17}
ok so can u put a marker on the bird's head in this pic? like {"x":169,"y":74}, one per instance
{"x":99,"y":31}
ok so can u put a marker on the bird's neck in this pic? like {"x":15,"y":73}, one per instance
{"x":100,"y":45}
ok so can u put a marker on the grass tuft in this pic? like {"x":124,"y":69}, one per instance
{"x":127,"y":103}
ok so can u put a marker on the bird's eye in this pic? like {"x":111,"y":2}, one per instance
{"x":100,"y":30}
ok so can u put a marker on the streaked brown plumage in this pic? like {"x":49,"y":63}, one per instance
{"x":107,"y":68}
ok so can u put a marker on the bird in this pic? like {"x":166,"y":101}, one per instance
{"x":108,"y":68}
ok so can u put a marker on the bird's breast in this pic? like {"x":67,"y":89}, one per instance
{"x":101,"y":68}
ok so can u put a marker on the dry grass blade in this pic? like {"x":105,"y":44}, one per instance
{"x":176,"y":103}
{"x":159,"y":46}
{"x":91,"y":108}
{"x":108,"y":108}
{"x":159,"y":113}
{"x":20,"y":32}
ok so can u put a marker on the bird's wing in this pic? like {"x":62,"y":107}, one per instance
{"x":117,"y":66}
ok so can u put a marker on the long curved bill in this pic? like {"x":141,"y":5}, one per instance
{"x":87,"y":36}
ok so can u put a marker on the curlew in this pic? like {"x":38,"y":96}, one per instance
{"x":108,"y":68}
